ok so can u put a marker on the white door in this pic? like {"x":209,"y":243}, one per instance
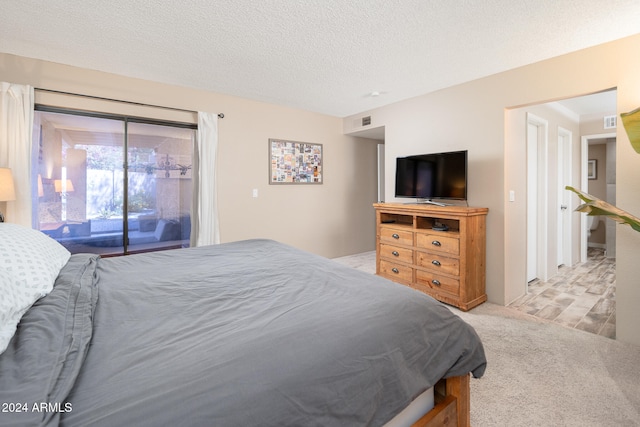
{"x":537,"y":199}
{"x":564,"y":197}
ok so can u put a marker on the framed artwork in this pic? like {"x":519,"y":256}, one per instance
{"x":292,"y":162}
{"x":592,"y":169}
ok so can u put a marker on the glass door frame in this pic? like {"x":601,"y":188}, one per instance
{"x":126,"y":120}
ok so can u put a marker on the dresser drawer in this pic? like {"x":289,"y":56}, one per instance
{"x":396,"y":253}
{"x":439,"y":243}
{"x":396,"y":236}
{"x":434,"y":282}
{"x":394,"y":271}
{"x":438,"y":263}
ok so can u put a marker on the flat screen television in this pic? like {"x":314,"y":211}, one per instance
{"x":432,"y":176}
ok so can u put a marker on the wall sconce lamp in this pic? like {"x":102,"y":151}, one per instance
{"x":7,"y":189}
{"x":631,"y":123}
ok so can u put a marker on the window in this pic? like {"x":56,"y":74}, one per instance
{"x":112,"y":184}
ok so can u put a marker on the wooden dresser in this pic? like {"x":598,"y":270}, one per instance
{"x":440,"y":251}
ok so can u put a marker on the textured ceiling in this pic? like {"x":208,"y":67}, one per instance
{"x":325,"y":56}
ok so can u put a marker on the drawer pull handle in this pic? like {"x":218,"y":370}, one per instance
{"x":435,"y":262}
{"x":436,"y":243}
{"x":395,"y":236}
{"x":436,"y":282}
{"x":395,"y":270}
{"x":395,"y":253}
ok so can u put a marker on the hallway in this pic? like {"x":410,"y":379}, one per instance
{"x":580,"y":297}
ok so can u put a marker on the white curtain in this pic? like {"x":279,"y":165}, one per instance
{"x":16,"y":127}
{"x":205,"y":227}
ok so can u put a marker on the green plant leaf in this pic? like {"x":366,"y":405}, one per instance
{"x":594,"y":206}
{"x":631,"y":123}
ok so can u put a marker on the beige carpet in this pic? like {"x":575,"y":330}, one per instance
{"x":544,"y":374}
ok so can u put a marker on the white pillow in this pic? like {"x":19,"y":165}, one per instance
{"x":30,"y":261}
{"x":11,"y":310}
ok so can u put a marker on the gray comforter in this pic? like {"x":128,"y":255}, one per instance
{"x":244,"y":333}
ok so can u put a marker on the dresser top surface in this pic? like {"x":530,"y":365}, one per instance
{"x":425,"y":208}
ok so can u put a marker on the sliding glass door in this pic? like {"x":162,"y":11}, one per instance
{"x":112,"y":185}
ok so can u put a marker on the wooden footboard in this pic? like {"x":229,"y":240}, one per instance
{"x":452,"y":404}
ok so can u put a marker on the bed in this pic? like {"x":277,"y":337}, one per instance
{"x":245,"y":333}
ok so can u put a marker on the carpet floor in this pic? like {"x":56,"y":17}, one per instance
{"x":544,"y":374}
{"x":541,"y":373}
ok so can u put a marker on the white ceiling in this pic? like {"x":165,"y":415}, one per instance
{"x":588,"y":105}
{"x":324,"y":56}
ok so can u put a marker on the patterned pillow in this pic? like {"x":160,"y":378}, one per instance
{"x":11,"y":310}
{"x":29,"y":264}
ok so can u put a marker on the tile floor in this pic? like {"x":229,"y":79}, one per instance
{"x":581,"y":297}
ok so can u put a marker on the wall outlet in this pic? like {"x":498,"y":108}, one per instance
{"x":255,"y":192}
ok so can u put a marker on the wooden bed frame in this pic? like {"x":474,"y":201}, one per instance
{"x":452,"y":404}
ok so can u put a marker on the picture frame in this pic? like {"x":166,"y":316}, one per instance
{"x":592,"y":169}
{"x":294,"y":162}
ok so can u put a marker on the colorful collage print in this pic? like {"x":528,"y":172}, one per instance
{"x":295,"y":162}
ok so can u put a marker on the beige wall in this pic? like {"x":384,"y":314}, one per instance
{"x":472,"y":116}
{"x":598,"y":151}
{"x":332,"y":219}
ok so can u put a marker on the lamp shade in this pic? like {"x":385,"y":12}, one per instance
{"x":68,"y":186}
{"x":7,"y":189}
{"x":40,"y":186}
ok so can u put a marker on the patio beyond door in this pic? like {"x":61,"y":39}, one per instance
{"x":112,"y":185}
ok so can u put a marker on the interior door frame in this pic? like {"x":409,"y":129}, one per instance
{"x":584,"y":185}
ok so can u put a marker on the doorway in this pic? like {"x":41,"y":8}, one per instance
{"x":561,"y":284}
{"x":598,"y":179}
{"x":557,"y":156}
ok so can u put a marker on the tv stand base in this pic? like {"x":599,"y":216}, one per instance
{"x":430,"y":202}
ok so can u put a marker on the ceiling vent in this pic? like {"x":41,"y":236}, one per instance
{"x":366,"y":121}
{"x":610,"y":122}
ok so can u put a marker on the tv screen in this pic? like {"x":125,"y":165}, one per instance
{"x":432,"y":176}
